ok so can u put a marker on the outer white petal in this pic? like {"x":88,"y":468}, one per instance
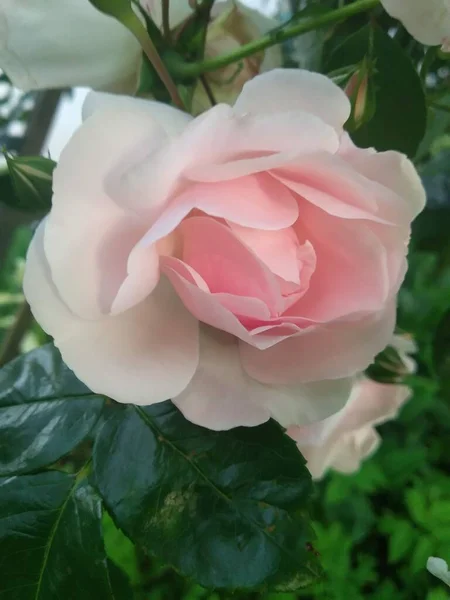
{"x":343,"y":440}
{"x":391,"y":169}
{"x":308,"y":403}
{"x":88,"y":238}
{"x":144,"y":355}
{"x":221,"y":395}
{"x":170,"y":119}
{"x":426,"y":20}
{"x":295,"y":89}
{"x":66,"y":43}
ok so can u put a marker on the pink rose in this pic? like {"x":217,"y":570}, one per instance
{"x":244,"y":263}
{"x":343,"y":440}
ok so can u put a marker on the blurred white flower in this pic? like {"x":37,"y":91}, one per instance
{"x":66,"y":43}
{"x":426,"y":20}
{"x":439,"y":568}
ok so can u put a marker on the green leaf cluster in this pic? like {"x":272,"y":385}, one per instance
{"x":225,"y":509}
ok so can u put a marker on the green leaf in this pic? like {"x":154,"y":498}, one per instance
{"x":424,"y":548}
{"x":437,"y":594}
{"x":225,"y":508}
{"x":31,"y":178}
{"x":399,"y":118}
{"x":45,"y":411}
{"x":51,"y":540}
{"x":417,"y":505}
{"x":120,"y":549}
{"x":119,"y":9}
{"x":440,"y":511}
{"x":401,"y":540}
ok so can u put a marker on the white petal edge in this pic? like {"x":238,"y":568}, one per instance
{"x":295,"y":89}
{"x":145,"y":355}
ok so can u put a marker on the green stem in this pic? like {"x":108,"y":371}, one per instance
{"x":148,"y":47}
{"x":428,"y":60}
{"x":122,"y":10}
{"x":443,"y":107}
{"x":165,"y":18}
{"x":271,"y":39}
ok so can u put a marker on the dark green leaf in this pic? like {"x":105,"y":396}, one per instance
{"x":51,"y":544}
{"x":31,"y":178}
{"x":7,"y":195}
{"x":45,"y":411}
{"x":225,"y":508}
{"x":441,"y":350}
{"x":120,"y":549}
{"x":399,"y":118}
{"x":119,"y":9}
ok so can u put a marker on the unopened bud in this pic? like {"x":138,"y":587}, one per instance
{"x":360,"y":92}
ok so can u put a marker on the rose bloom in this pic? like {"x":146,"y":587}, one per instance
{"x":343,"y":440}
{"x":244,"y":263}
{"x":428,"y":21}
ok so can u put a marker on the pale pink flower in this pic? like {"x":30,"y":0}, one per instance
{"x":244,"y":263}
{"x":343,"y":440}
{"x":428,"y":21}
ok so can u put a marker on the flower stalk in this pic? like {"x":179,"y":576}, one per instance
{"x":183,"y":69}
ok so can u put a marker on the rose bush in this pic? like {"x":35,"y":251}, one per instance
{"x":244,"y":263}
{"x":343,"y":440}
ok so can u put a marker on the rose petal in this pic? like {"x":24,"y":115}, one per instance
{"x":428,"y":22}
{"x":225,"y":263}
{"x":332,"y":351}
{"x":307,"y":403}
{"x":226,"y":147}
{"x":279,"y":250}
{"x":344,"y":439}
{"x":208,"y":307}
{"x":142,"y":356}
{"x":88,"y":238}
{"x":295,"y":89}
{"x":333,"y":184}
{"x":352,"y":272}
{"x":256,"y":143}
{"x":170,"y":119}
{"x":254,"y":201}
{"x":220,"y":395}
{"x":142,"y":277}
{"x":360,"y":445}
{"x":66,"y":43}
{"x":392,"y":170}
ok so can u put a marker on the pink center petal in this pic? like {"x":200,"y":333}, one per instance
{"x":226,"y":264}
{"x":254,"y":201}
